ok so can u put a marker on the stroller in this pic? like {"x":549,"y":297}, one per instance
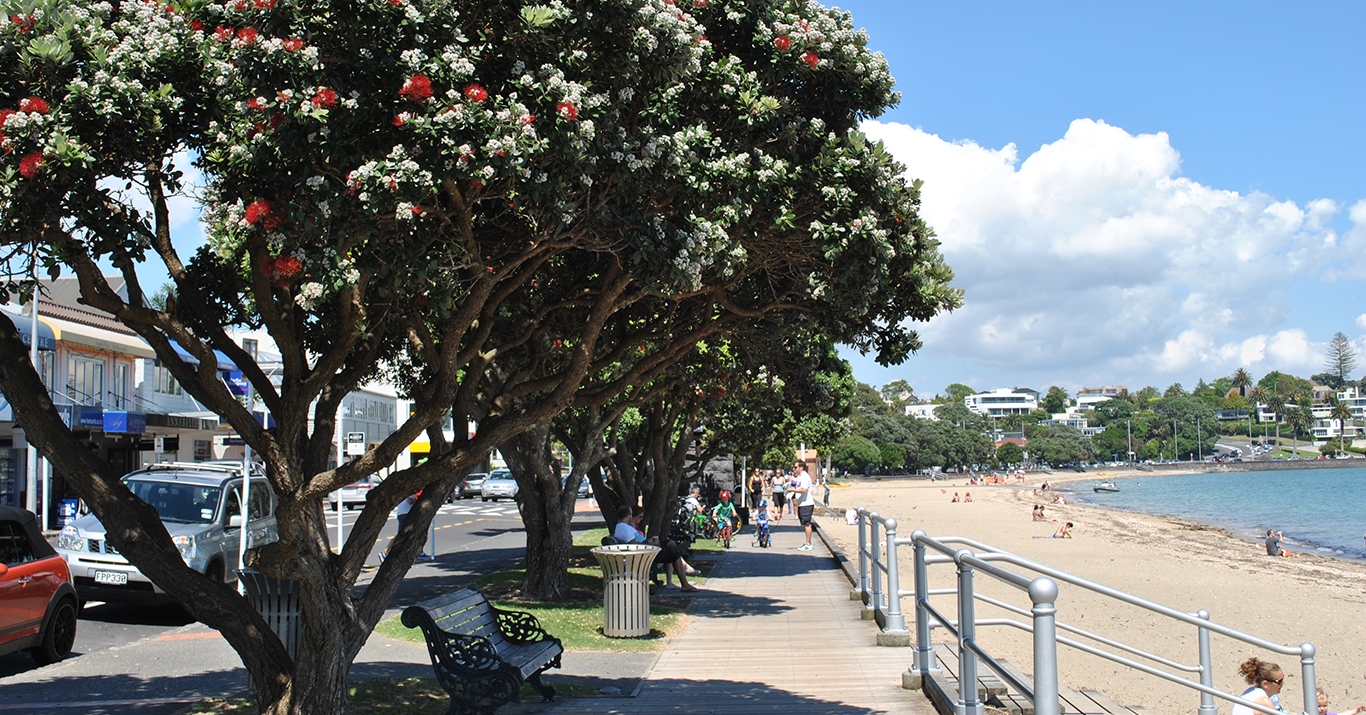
{"x":763,"y":538}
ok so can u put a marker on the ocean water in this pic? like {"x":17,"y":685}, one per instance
{"x":1319,"y":510}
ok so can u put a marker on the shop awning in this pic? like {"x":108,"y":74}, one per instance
{"x":47,"y":339}
{"x":224,"y":363}
{"x":98,"y":338}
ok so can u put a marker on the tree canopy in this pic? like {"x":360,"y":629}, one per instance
{"x":511,"y":210}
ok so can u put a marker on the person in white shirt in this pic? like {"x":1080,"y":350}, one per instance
{"x":805,"y":498}
{"x":627,"y":531}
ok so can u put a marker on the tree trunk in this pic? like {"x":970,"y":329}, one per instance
{"x":547,"y":506}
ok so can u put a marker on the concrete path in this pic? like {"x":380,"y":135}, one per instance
{"x":774,"y":631}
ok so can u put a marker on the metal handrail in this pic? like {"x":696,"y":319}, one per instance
{"x":1043,"y":591}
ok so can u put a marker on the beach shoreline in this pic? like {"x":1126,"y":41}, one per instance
{"x":1174,"y":561}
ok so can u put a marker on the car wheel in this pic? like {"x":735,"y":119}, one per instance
{"x":486,"y":499}
{"x":215,"y":572}
{"x":59,"y":636}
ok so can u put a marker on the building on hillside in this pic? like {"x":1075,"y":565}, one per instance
{"x":923,"y":411}
{"x":1327,"y":427}
{"x":1089,"y":397}
{"x":1229,"y":414}
{"x":1064,"y":419}
{"x":1003,"y":401}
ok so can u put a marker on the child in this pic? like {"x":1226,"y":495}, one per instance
{"x":761,"y":518}
{"x":725,"y":512}
{"x":1064,"y":531}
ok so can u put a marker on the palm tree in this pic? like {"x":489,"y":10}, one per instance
{"x":1242,"y":379}
{"x":1298,"y":417}
{"x":1342,"y":412}
{"x":1276,"y":403}
{"x":1257,"y":396}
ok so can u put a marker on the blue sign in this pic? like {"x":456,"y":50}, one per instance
{"x":87,"y":416}
{"x":126,"y":422}
{"x":237,"y":384}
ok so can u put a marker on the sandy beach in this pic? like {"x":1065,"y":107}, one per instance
{"x":1175,"y":562}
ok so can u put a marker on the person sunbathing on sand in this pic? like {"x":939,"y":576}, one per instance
{"x":955,"y":498}
{"x":1064,"y":531}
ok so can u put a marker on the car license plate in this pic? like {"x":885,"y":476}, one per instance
{"x":111,"y":578}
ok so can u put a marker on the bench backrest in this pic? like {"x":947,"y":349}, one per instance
{"x":466,"y":612}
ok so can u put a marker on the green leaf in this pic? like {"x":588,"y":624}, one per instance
{"x":538,"y":15}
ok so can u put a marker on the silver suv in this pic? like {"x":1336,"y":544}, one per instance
{"x":200,"y":506}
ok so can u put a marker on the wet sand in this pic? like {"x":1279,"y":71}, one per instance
{"x":1175,"y":562}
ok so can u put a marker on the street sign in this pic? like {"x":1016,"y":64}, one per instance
{"x":158,"y":444}
{"x":355,"y":444}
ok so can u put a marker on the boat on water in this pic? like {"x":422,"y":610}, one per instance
{"x":1105,"y":487}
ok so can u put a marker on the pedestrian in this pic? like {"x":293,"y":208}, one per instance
{"x":756,"y":487}
{"x":825,"y":482}
{"x":779,"y":493}
{"x":804,"y":496}
{"x":401,"y":513}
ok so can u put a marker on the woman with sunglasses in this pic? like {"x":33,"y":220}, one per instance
{"x":1266,"y":680}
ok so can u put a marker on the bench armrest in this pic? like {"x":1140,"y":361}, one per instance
{"x":456,"y":651}
{"x":520,"y":626}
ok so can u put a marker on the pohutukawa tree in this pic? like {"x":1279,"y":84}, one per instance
{"x":472,"y":198}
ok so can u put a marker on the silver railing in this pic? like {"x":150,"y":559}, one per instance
{"x":1042,"y":588}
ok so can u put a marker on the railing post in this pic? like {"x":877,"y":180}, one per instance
{"x":968,"y":703}
{"x":1043,"y":593}
{"x":1311,"y":694}
{"x":875,"y":606}
{"x":894,"y":631}
{"x":924,"y":649}
{"x":864,"y":593}
{"x":1206,"y":667}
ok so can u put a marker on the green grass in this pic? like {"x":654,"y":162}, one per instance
{"x":578,"y":623}
{"x":381,"y":696}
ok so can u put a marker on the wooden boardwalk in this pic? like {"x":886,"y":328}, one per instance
{"x":774,"y":631}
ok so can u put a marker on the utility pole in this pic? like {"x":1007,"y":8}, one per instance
{"x":1176,"y":450}
{"x":1129,"y":428}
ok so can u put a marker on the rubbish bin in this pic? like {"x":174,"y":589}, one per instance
{"x":278,"y":602}
{"x":626,"y":588}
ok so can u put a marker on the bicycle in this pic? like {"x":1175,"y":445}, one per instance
{"x":726,"y":535}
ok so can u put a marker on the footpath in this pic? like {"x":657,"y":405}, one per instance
{"x":774,"y":631}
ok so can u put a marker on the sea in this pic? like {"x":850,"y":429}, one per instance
{"x":1321,"y":511}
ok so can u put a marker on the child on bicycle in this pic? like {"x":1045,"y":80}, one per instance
{"x":761,"y":518}
{"x":724,"y":513}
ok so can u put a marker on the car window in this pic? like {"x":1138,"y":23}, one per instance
{"x":15,"y":548}
{"x":260,"y":501}
{"x":179,"y":503}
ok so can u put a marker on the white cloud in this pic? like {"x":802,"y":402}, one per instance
{"x":1094,"y":259}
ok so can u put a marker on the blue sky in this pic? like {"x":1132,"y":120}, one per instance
{"x":1197,"y":208}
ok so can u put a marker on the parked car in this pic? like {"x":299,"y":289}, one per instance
{"x":38,"y":604}
{"x":354,"y":495}
{"x":585,"y":488}
{"x":469,"y":488}
{"x":499,"y":485}
{"x":201,"y":508}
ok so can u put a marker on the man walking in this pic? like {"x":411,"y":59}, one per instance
{"x":805,"y":498}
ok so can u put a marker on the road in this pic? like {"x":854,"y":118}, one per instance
{"x":471,"y":538}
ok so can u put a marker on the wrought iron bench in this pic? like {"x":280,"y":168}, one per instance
{"x":482,"y":654}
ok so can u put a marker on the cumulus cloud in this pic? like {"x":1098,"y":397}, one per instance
{"x":1093,"y":258}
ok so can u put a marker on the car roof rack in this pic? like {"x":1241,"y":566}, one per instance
{"x":257,"y":469}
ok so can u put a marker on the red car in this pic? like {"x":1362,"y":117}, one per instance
{"x":38,"y":604}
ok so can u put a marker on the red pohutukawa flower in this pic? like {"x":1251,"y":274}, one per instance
{"x":256,"y":211}
{"x":811,"y":59}
{"x":287,"y":267}
{"x":248,"y":35}
{"x":29,"y":165}
{"x":567,"y":110}
{"x":294,"y":44}
{"x":257,"y":103}
{"x":476,"y":93}
{"x":4,"y":115}
{"x":33,"y":104}
{"x":240,"y":5}
{"x":418,"y":88}
{"x":782,"y":43}
{"x":325,"y":98}
{"x":196,"y":25}
{"x":23,"y":22}
{"x":264,"y":4}
{"x":222,"y":34}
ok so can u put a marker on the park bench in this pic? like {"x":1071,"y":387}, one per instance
{"x":483,"y":654}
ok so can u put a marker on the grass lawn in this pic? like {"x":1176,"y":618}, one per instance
{"x":380,"y":696}
{"x":577,"y":622}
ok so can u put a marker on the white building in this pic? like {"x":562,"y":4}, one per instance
{"x":1089,"y":397}
{"x":1071,"y":419}
{"x":1327,"y":427}
{"x":922,"y":411}
{"x":1003,"y":401}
